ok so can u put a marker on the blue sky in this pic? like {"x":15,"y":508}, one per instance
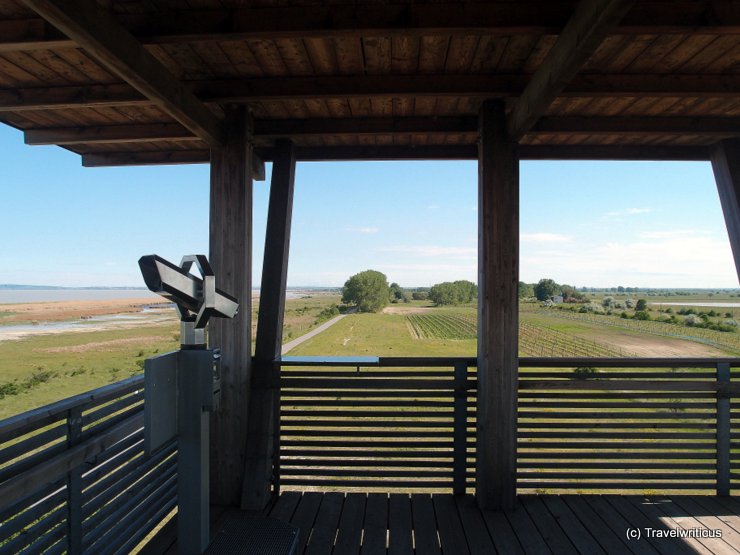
{"x":583,"y":223}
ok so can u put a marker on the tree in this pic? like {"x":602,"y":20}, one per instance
{"x":368,"y":290}
{"x":545,"y":289}
{"x":525,"y":290}
{"x":453,"y":292}
{"x":398,"y":294}
{"x":641,"y":305}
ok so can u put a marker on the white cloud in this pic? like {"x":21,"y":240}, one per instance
{"x":545,"y":238}
{"x":662,"y":259}
{"x":364,"y":229}
{"x":673,"y":233}
{"x":627,"y":212}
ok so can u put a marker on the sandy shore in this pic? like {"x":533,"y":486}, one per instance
{"x":70,"y":310}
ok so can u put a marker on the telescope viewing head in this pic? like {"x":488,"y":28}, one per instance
{"x":197,"y":299}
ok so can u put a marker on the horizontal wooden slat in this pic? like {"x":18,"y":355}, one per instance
{"x":616,"y":486}
{"x":653,"y":435}
{"x":32,"y":443}
{"x":25,"y":422}
{"x":51,"y":469}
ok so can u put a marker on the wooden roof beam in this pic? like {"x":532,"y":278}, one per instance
{"x":294,"y":128}
{"x":363,"y":86}
{"x":97,"y":32}
{"x":397,"y":152}
{"x":107,"y":134}
{"x":276,"y":128}
{"x":638,"y":125}
{"x":161,"y":158}
{"x":506,"y":19}
{"x":590,"y":23}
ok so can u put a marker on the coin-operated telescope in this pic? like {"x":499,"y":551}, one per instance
{"x":183,"y":386}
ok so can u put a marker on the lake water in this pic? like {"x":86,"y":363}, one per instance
{"x":13,"y":296}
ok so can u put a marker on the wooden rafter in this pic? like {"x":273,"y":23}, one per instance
{"x":397,"y":152}
{"x":272,"y":23}
{"x":270,"y":128}
{"x":150,"y":132}
{"x":237,"y":91}
{"x":634,"y":125}
{"x":592,"y":20}
{"x":721,"y":127}
{"x":97,"y":32}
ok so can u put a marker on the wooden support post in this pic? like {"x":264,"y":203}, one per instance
{"x":498,"y":319}
{"x":725,"y":157}
{"x":723,"y":430}
{"x":231,"y":258}
{"x":262,"y":468}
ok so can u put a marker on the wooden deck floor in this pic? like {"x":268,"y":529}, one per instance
{"x":336,"y":523}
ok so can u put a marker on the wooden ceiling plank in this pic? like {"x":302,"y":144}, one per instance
{"x":377,"y":54}
{"x":637,"y":128}
{"x":97,"y":31}
{"x":433,"y":54}
{"x":275,"y":22}
{"x":590,"y":23}
{"x":40,"y":97}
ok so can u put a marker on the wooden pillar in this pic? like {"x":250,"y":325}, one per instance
{"x":726,"y":165}
{"x":263,"y":434}
{"x":498,"y":318}
{"x":231,"y":258}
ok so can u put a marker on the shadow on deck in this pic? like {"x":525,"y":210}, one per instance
{"x":337,"y":523}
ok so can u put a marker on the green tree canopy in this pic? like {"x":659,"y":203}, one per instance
{"x":453,"y":292}
{"x":545,"y":289}
{"x":398,"y":294}
{"x":367,"y":290}
{"x":525,"y":290}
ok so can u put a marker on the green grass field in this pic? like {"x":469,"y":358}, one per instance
{"x":45,"y":368}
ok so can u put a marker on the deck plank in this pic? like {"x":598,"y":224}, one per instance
{"x":729,"y":535}
{"x":305,"y":516}
{"x":526,"y":532}
{"x":616,"y":522}
{"x":687,"y":522}
{"x":474,"y":526}
{"x":503,"y":535}
{"x":578,"y":535}
{"x":711,"y":505}
{"x":637,"y":518}
{"x":285,"y":505}
{"x":730,"y":503}
{"x":321,"y":541}
{"x":597,"y":528}
{"x":451,"y":533}
{"x":349,"y":535}
{"x":556,"y":540}
{"x":655,"y":518}
{"x":376,"y":525}
{"x":425,"y":525}
{"x":399,"y":525}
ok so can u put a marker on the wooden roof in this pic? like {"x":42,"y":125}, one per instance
{"x":144,"y":81}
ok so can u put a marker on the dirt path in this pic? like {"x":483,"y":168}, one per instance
{"x":313,"y":333}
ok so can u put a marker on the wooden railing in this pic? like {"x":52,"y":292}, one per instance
{"x":74,"y":477}
{"x":591,"y":425}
